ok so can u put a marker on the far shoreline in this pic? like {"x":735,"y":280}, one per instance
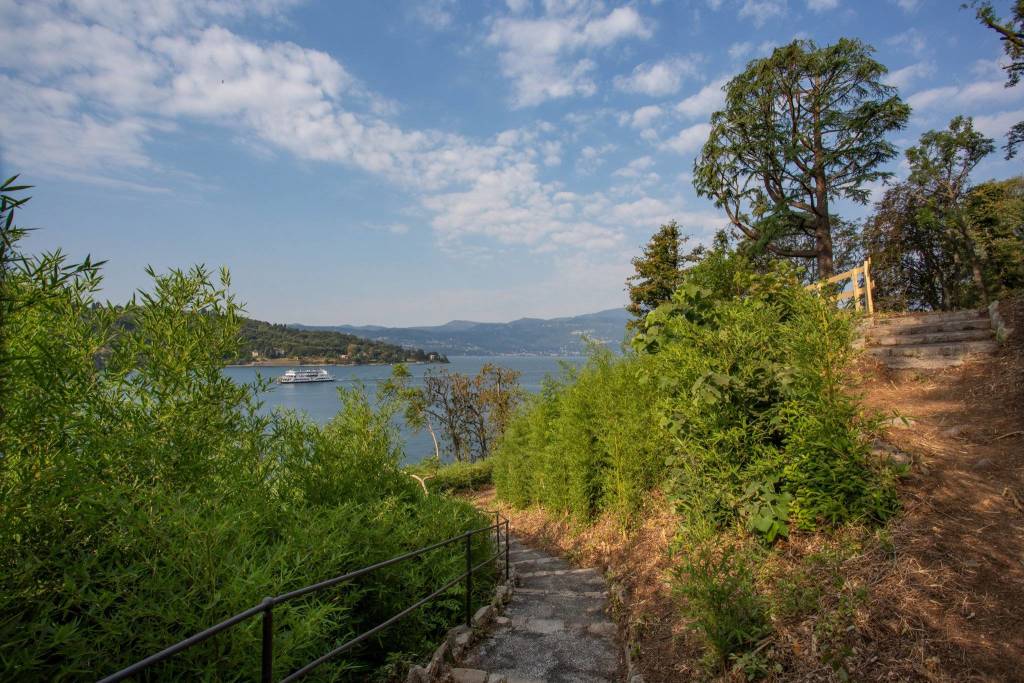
{"x":292,"y":362}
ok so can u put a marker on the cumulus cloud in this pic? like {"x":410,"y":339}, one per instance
{"x":967,"y":97}
{"x":705,"y":101}
{"x":544,"y":56}
{"x":659,"y":78}
{"x":902,"y":78}
{"x":822,"y":5}
{"x":760,"y":11}
{"x":85,"y":99}
{"x":688,"y":139}
{"x":643,"y":117}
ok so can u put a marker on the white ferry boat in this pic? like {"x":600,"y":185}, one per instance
{"x":303,"y":375}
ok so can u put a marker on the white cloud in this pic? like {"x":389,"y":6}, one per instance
{"x":902,"y":78}
{"x":965,"y":97}
{"x":997,"y":125}
{"x":542,"y":56}
{"x":926,"y":98}
{"x":635,"y":168}
{"x":911,"y":40}
{"x":688,"y":139}
{"x":644,"y":116}
{"x":435,"y":14}
{"x":60,"y":118}
{"x":705,"y":101}
{"x":760,"y":11}
{"x":822,"y":5}
{"x":658,"y":79}
{"x":908,"y":5}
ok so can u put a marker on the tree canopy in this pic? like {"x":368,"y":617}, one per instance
{"x":659,"y":270}
{"x":800,"y":128}
{"x":1011,"y":32}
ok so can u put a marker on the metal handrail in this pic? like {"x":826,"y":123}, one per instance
{"x":267,"y":605}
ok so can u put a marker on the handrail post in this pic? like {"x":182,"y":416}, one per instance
{"x":469,"y":580}
{"x":506,"y":550}
{"x":267,"y":663}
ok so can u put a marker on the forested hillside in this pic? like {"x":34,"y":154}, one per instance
{"x":263,"y":341}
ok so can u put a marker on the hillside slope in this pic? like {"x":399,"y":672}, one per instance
{"x":525,"y":336}
{"x":263,"y":341}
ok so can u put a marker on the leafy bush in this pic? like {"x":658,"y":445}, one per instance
{"x":721,"y":599}
{"x":456,"y":477}
{"x":585,"y":443}
{"x":764,"y":431}
{"x":142,"y":497}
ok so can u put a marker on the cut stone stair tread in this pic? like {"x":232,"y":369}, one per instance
{"x":554,"y":630}
{"x":924,"y":326}
{"x":938,"y":349}
{"x":929,"y":338}
{"x":933,"y":317}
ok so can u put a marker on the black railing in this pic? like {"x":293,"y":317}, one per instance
{"x":266,"y":608}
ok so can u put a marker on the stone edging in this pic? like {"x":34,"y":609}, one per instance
{"x":459,"y":639}
{"x":998,"y":325}
{"x":631,"y":649}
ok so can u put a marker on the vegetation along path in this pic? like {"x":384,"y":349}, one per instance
{"x":554,"y":630}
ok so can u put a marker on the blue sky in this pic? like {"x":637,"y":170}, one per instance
{"x":413,"y":162}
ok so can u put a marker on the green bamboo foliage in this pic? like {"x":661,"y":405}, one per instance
{"x":143,"y":498}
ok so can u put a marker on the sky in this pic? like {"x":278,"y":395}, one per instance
{"x":407,"y":163}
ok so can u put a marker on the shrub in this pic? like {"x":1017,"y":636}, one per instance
{"x":143,"y":498}
{"x":586,"y":443}
{"x":456,"y":477}
{"x":764,"y":431}
{"x":717,"y":584}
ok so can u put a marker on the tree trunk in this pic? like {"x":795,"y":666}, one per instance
{"x":822,"y":225}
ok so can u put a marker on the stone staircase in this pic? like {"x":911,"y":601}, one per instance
{"x":930,"y":341}
{"x":555,"y":629}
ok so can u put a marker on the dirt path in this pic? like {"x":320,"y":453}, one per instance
{"x":954,"y":596}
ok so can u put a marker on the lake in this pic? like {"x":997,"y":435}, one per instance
{"x":319,"y":400}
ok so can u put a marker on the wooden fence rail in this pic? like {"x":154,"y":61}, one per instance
{"x":858,"y":288}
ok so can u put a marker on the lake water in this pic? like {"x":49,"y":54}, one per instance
{"x":319,"y":400}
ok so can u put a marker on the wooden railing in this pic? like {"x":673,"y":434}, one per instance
{"x":857,"y":290}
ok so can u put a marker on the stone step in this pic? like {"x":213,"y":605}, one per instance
{"x":956,"y":349}
{"x":932,"y":317}
{"x":911,"y":363}
{"x":930,"y":338}
{"x":929,"y":327}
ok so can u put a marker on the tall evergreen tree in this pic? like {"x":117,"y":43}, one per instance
{"x":800,"y":129}
{"x":658,"y":270}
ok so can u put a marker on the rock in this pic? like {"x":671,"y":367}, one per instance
{"x":954,"y":432}
{"x":900,"y":422}
{"x":417,"y":674}
{"x":900,"y":458}
{"x":603,"y":628}
{"x":469,"y":676}
{"x":459,"y":639}
{"x":438,"y":659}
{"x":982,"y":464}
{"x":483,"y":615}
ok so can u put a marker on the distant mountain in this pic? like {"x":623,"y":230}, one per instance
{"x":526,"y":336}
